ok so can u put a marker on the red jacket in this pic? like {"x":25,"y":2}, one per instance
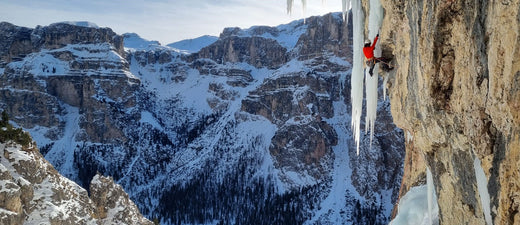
{"x":369,"y":51}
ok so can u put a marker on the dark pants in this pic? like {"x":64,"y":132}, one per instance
{"x":372,"y":63}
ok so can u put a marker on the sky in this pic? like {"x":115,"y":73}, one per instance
{"x":166,"y":21}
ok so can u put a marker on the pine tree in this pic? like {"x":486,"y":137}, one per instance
{"x":5,"y":119}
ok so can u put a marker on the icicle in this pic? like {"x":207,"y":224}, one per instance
{"x":344,"y":9}
{"x":356,"y":83}
{"x":430,"y":190}
{"x":289,"y":6}
{"x":304,"y":9}
{"x":482,"y":190}
{"x":385,"y":81}
{"x":345,"y":5}
{"x":371,"y":99}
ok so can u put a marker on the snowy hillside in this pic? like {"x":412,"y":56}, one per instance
{"x":134,"y":42}
{"x":252,"y":129}
{"x":193,"y":45}
{"x":79,"y":23}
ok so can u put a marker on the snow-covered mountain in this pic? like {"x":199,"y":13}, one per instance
{"x":253,"y":128}
{"x":79,"y":23}
{"x":134,"y":42}
{"x":193,"y":45}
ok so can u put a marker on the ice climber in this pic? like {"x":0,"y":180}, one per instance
{"x":369,"y":54}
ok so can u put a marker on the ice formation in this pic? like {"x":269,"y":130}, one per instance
{"x":413,"y":208}
{"x":375,"y":20}
{"x":304,"y":9}
{"x":418,"y":205}
{"x":345,"y":5}
{"x":289,"y":6}
{"x":385,"y":81}
{"x":482,"y":190}
{"x":430,"y":190}
{"x":356,"y":90}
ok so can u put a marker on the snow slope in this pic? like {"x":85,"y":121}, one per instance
{"x":134,"y":42}
{"x":193,"y":45}
{"x":79,"y":23}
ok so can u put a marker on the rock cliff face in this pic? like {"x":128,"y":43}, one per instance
{"x":17,"y":42}
{"x":456,"y":94}
{"x":88,"y":76}
{"x":257,"y":51}
{"x":33,"y":192}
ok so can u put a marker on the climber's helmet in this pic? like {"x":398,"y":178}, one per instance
{"x":367,"y":41}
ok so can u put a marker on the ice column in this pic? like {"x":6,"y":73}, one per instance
{"x":289,"y":6}
{"x":356,"y":79}
{"x":482,"y":190}
{"x":345,"y":5}
{"x":304,"y":7}
{"x":430,"y":191}
{"x":375,"y":19}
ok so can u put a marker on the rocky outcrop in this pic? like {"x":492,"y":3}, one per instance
{"x":293,"y":95}
{"x":296,"y":103}
{"x":256,"y":50}
{"x":325,"y":34}
{"x":84,"y":72}
{"x":112,"y":204}
{"x":455,"y":92}
{"x":17,"y":42}
{"x":33,"y":192}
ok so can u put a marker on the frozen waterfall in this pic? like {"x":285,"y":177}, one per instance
{"x":356,"y":91}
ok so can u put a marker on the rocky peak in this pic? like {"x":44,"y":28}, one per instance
{"x":263,"y":46}
{"x":112,"y":204}
{"x":60,"y":34}
{"x":328,"y":33}
{"x":252,"y":31}
{"x":257,"y":51}
{"x":33,"y":192}
{"x":17,"y":42}
{"x":229,"y":31}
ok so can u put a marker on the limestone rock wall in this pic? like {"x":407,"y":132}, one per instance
{"x":61,"y":65}
{"x":327,"y":33}
{"x":456,"y":93}
{"x":257,"y":51}
{"x":17,"y":42}
{"x":112,"y":204}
